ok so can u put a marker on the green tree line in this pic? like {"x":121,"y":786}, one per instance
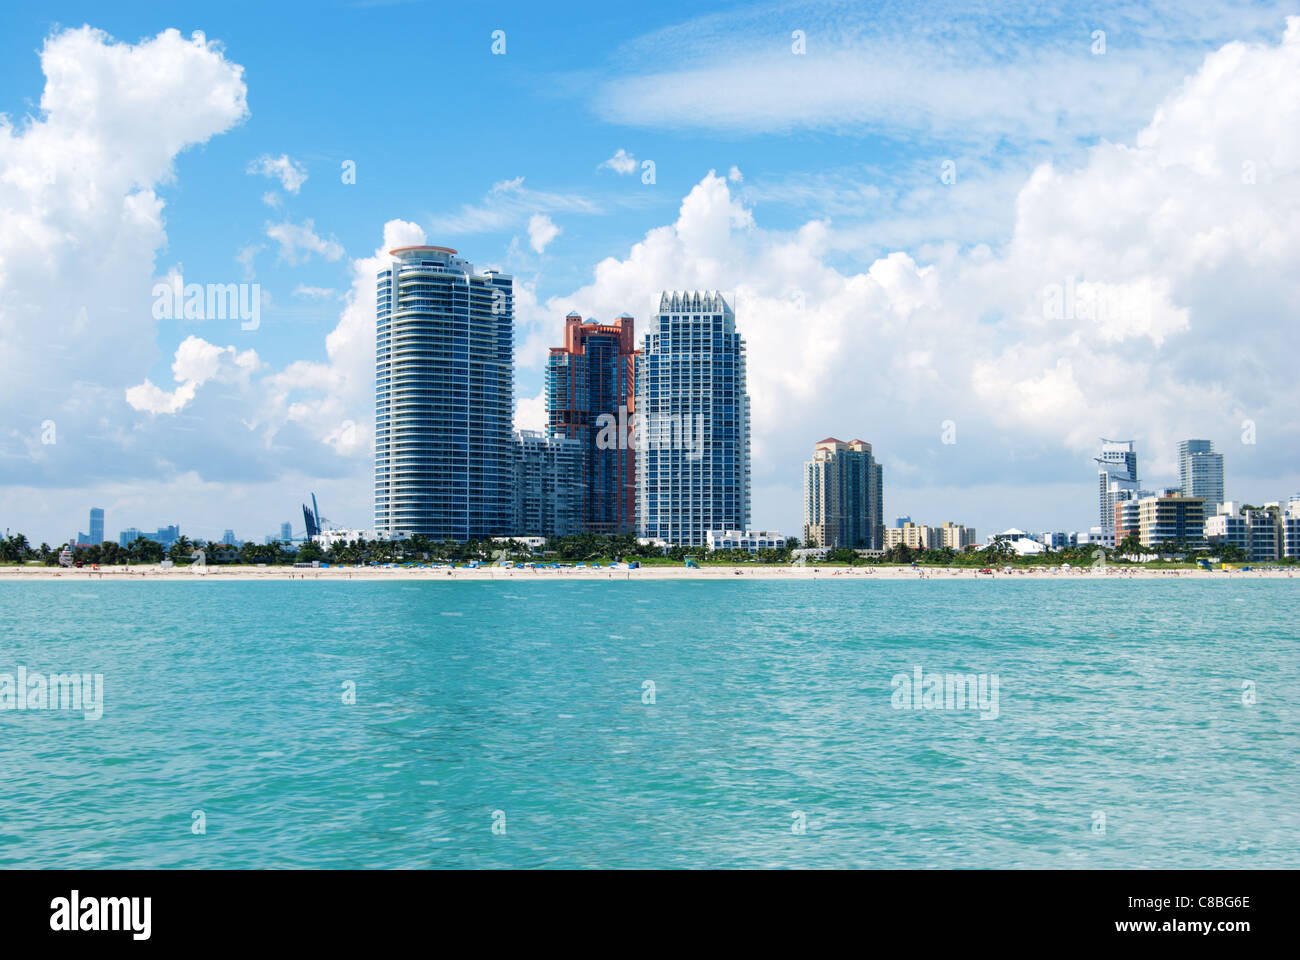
{"x":582,"y":548}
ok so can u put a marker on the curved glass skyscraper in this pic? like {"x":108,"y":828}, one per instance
{"x":444,"y":383}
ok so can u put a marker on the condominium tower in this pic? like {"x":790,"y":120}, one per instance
{"x":444,"y":380}
{"x":1171,"y":518}
{"x":1117,"y":480}
{"x":1200,"y":471}
{"x":1263,"y":534}
{"x":548,"y":486}
{"x":842,"y":497}
{"x":590,"y":385}
{"x":692,"y":463}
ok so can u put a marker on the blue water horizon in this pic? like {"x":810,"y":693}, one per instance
{"x":509,"y":724}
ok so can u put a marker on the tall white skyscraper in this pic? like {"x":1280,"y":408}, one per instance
{"x":1200,"y":472}
{"x":444,"y":397}
{"x":1117,"y":480}
{"x":692,"y":464}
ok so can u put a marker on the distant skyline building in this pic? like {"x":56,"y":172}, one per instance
{"x":163,"y":535}
{"x":548,"y":485}
{"x":692,"y":462}
{"x":229,"y":537}
{"x":1117,"y":480}
{"x":166,"y":535}
{"x":590,"y":383}
{"x":286,"y":531}
{"x":1200,"y":472}
{"x":96,"y":535}
{"x":444,"y":397}
{"x":843,"y":497}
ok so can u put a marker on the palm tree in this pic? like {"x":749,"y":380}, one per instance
{"x":310,"y":551}
{"x":997,"y":552}
{"x":181,"y":549}
{"x":144,"y":550}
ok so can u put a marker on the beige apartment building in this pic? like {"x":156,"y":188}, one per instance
{"x":921,"y":537}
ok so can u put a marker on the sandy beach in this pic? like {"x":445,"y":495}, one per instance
{"x":658,"y":572}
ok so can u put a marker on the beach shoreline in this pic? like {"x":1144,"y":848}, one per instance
{"x":154,"y":573}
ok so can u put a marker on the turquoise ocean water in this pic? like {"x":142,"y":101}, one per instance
{"x":521,"y":703}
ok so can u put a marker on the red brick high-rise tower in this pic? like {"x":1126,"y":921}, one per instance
{"x":590,"y":382}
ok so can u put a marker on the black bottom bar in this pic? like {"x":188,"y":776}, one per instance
{"x":1223,"y":910}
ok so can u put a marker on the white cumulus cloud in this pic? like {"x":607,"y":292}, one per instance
{"x":197,"y":361}
{"x":541,"y":231}
{"x":621,"y":162}
{"x":299,"y":241}
{"x":83,"y":223}
{"x":1147,"y":292}
{"x":291,"y":174}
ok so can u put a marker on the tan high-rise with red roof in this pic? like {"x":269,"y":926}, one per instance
{"x":842,"y":497}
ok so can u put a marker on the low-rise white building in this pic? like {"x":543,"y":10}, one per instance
{"x":532,"y":543}
{"x":1022,"y":543}
{"x":1262,"y":534}
{"x":327,"y":538}
{"x":749,"y":540}
{"x":1291,"y":528}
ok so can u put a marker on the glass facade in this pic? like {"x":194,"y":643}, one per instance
{"x":444,"y":390}
{"x":692,"y":465}
{"x":590,"y":383}
{"x":1200,"y":471}
{"x":1117,"y":480}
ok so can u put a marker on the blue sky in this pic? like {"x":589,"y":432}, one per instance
{"x":880,"y":297}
